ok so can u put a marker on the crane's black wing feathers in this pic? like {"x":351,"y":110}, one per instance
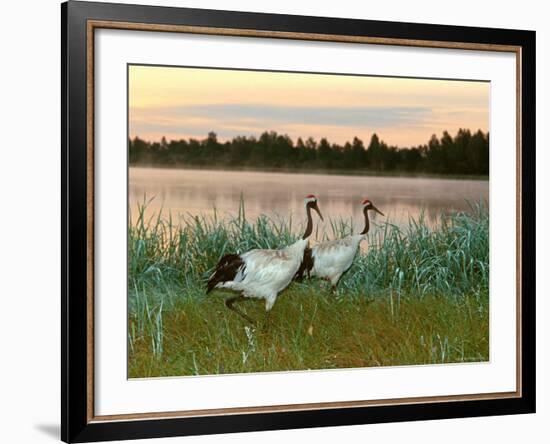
{"x":226,"y":270}
{"x":305,"y":266}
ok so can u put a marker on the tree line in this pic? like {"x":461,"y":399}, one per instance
{"x":466,"y":153}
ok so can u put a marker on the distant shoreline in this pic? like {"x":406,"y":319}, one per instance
{"x":335,"y":172}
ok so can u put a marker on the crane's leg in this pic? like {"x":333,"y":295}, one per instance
{"x":267,"y":321}
{"x":269,"y":302}
{"x":332,"y":286}
{"x":334,"y":283}
{"x":229,"y":304}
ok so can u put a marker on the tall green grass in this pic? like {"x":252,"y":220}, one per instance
{"x":445,"y":266}
{"x":449,"y":259}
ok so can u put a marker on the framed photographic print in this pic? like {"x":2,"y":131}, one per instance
{"x":275,"y":221}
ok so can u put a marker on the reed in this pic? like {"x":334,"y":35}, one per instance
{"x":418,"y":294}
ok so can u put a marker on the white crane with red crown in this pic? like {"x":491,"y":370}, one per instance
{"x":262,"y":274}
{"x":330,"y":260}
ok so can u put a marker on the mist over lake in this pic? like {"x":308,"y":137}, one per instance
{"x":187,"y":192}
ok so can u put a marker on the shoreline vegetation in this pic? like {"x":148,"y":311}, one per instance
{"x":417,"y":295}
{"x":464,"y":156}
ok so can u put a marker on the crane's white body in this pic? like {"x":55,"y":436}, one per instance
{"x":266,"y":273}
{"x":333,"y":258}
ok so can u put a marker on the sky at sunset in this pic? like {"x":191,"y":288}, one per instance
{"x":189,"y":102}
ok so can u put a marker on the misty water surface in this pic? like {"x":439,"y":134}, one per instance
{"x":194,"y":192}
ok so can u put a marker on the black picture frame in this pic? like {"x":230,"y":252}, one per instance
{"x":76,"y":424}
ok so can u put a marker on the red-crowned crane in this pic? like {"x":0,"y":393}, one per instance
{"x":330,"y":260}
{"x":262,"y":274}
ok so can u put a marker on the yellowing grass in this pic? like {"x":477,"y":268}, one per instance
{"x":418,"y":296}
{"x":314,"y":331}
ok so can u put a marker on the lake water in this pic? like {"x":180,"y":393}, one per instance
{"x":191,"y":192}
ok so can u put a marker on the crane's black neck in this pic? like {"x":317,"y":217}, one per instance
{"x":309,"y":227}
{"x":367,"y":224}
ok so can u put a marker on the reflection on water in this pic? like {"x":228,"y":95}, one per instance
{"x":193,"y":192}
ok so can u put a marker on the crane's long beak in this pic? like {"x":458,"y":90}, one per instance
{"x":316,"y":208}
{"x":377,"y":210}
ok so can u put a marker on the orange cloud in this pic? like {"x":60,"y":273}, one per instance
{"x":188,"y":102}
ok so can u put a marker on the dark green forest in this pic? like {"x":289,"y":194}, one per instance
{"x":466,"y":153}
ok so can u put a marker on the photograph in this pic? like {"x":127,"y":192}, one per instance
{"x":298,"y":221}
